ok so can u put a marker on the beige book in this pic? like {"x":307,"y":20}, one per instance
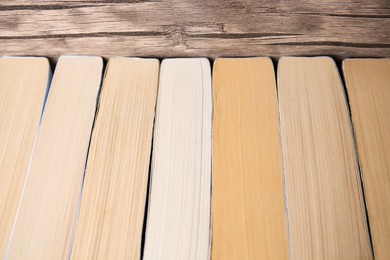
{"x":326,"y":213}
{"x":249,"y":220}
{"x":368,"y":86}
{"x":116,"y":179}
{"x":178,"y":220}
{"x":23,"y":85}
{"x":45,"y":222}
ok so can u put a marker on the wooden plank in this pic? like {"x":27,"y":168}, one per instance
{"x":324,"y":197}
{"x":368,"y":85}
{"x":45,"y":222}
{"x":114,"y":194}
{"x":172,"y":28}
{"x":248,"y":211}
{"x":23,"y":85}
{"x":178,"y":220}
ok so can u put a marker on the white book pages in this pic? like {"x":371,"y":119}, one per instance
{"x":114,"y":194}
{"x":44,"y":226}
{"x":178,"y":220}
{"x":325,"y":205}
{"x":23,"y":87}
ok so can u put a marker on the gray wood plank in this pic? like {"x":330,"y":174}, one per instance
{"x":173,"y":28}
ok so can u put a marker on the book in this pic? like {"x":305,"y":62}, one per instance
{"x":114,"y":194}
{"x":23,"y":86}
{"x":326,"y":213}
{"x":368,"y":85}
{"x":45,"y":221}
{"x":249,"y":219}
{"x":178,"y":218}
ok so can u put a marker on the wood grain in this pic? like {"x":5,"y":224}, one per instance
{"x":347,"y":28}
{"x":114,"y":194}
{"x":368,"y":85}
{"x":326,"y":213}
{"x":178,"y":220}
{"x":45,"y":222}
{"x":23,"y":85}
{"x":248,"y":210}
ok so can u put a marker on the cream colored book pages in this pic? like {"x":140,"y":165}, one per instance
{"x":178,"y":221}
{"x":45,"y":223}
{"x":23,"y":85}
{"x":249,"y":220}
{"x":113,"y":198}
{"x":368,"y":86}
{"x":324,"y":197}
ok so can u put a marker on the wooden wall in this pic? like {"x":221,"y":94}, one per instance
{"x":178,"y":28}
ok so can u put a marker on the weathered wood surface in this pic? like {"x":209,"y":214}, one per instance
{"x":347,"y":28}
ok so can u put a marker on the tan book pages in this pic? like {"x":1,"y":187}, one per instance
{"x":45,"y":223}
{"x":368,"y":86}
{"x":249,"y":219}
{"x":23,"y":85}
{"x":178,"y":220}
{"x":116,"y":179}
{"x":323,"y":189}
